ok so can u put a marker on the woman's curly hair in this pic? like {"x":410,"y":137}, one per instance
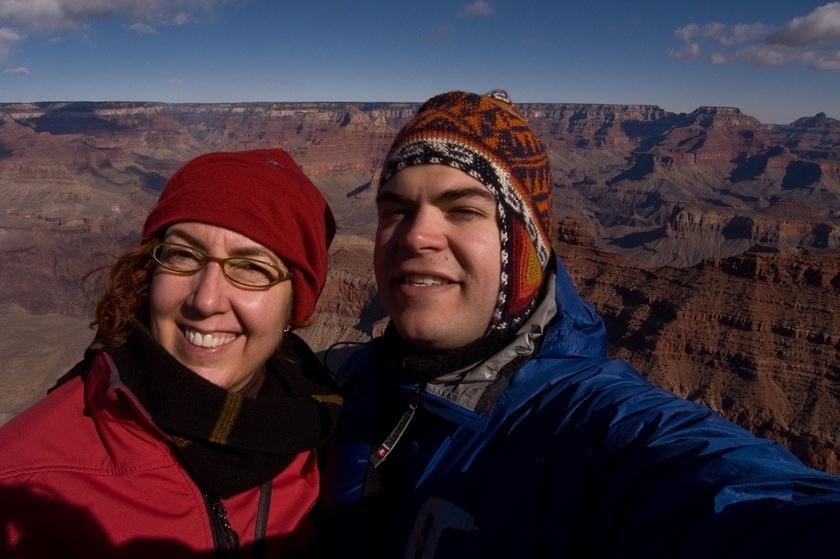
{"x":126,"y":296}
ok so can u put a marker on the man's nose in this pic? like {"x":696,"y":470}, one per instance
{"x":425,"y":231}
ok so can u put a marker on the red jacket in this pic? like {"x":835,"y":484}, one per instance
{"x":85,"y":472}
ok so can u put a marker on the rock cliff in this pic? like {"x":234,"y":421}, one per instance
{"x":747,"y":322}
{"x":756,"y":337}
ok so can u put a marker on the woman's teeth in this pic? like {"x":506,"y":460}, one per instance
{"x":207,"y":340}
{"x":423,"y":280}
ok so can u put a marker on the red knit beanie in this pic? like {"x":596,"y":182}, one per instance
{"x":263,"y":195}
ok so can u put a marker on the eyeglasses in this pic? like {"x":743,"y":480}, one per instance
{"x":243,"y":272}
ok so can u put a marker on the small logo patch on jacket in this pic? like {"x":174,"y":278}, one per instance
{"x":436,"y":516}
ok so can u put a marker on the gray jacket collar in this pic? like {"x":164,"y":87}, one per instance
{"x":465,"y":387}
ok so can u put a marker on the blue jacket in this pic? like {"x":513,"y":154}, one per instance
{"x":576,"y":455}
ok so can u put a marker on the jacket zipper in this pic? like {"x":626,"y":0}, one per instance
{"x":224,"y":536}
{"x":380,"y":454}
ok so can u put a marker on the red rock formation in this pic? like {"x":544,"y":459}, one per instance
{"x":710,"y":136}
{"x":785,"y":225}
{"x":816,"y":137}
{"x":755,"y":337}
{"x":589,"y":125}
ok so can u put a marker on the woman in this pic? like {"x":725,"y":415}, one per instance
{"x":191,"y":424}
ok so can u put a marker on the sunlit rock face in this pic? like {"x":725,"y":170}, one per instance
{"x":708,"y":240}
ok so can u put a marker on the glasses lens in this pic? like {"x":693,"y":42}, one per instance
{"x":252,"y":273}
{"x":179,"y":258}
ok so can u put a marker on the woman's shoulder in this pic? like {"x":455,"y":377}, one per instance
{"x":46,"y":434}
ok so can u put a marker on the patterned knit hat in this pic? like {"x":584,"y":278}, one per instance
{"x":263,"y":195}
{"x":487,"y":138}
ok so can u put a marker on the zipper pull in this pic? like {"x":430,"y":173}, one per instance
{"x":384,"y":449}
{"x":224,"y":536}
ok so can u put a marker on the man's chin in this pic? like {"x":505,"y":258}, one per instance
{"x":432,"y":337}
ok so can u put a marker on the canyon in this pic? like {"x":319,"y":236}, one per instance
{"x":708,"y":241}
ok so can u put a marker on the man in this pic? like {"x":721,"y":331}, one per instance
{"x":487,"y":420}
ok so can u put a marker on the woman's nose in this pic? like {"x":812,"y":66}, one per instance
{"x":210,"y":288}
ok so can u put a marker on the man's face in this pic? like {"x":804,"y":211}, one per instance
{"x":437,"y":255}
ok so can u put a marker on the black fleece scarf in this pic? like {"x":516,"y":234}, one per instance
{"x":426,"y":365}
{"x":231,"y":442}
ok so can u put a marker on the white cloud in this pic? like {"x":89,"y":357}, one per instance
{"x":180,"y":19}
{"x":441,"y":34}
{"x":724,"y":34}
{"x":767,"y":55}
{"x":778,"y":55}
{"x":175,"y":82}
{"x":478,"y":8}
{"x":820,"y":26}
{"x":68,"y":14}
{"x":9,"y":35}
{"x":687,"y":32}
{"x":7,"y":38}
{"x":803,"y":40}
{"x":142,"y":29}
{"x":692,"y":51}
{"x":19,"y":71}
{"x":692,"y":31}
{"x":57,"y":16}
{"x":744,"y":33}
{"x":827,"y":62}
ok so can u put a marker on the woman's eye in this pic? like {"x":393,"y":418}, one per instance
{"x":252,"y":272}
{"x":174,"y":254}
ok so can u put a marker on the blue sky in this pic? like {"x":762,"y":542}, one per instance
{"x":775,"y":60}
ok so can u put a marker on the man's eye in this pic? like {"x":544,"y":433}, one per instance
{"x":385,"y":213}
{"x":467,"y":213}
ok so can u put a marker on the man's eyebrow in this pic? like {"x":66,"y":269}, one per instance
{"x":390,"y":196}
{"x":467,"y":192}
{"x":451,"y":195}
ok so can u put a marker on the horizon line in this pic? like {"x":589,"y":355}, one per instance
{"x":276,"y":102}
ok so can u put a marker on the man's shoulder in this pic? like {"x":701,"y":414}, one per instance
{"x":609,"y":395}
{"x":600,"y":391}
{"x":352,"y":361}
{"x":588,"y":372}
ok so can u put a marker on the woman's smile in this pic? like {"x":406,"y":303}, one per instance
{"x":208,"y":340}
{"x":214,"y":327}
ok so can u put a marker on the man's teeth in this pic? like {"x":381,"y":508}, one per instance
{"x":423,"y":280}
{"x":208,"y":340}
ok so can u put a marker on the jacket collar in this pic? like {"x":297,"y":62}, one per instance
{"x":467,"y":387}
